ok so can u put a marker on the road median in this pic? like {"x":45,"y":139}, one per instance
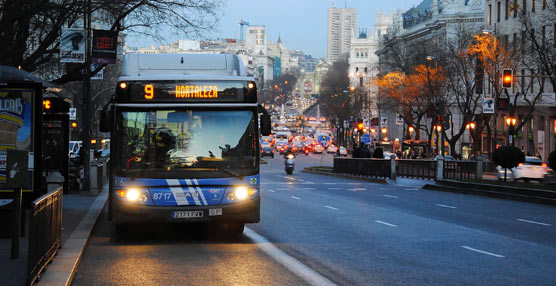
{"x":327,"y":171}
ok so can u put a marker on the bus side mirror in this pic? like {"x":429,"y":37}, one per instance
{"x":105,"y":121}
{"x":265,"y":125}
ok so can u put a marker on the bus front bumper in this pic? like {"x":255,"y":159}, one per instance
{"x":240,"y":212}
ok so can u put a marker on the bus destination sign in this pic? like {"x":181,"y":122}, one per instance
{"x":191,"y":91}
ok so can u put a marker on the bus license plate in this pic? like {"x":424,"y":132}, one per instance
{"x":187,"y":214}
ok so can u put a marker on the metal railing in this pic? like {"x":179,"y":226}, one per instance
{"x":459,"y":170}
{"x":45,"y":233}
{"x":421,"y":169}
{"x":379,"y":168}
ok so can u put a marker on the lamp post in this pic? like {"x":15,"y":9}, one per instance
{"x":440,"y":150}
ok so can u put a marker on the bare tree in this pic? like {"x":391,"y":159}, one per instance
{"x":35,"y":26}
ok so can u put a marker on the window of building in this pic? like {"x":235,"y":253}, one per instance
{"x":366,"y":54}
{"x":523,"y":81}
{"x":532,"y":40}
{"x":523,"y":38}
{"x":506,"y":41}
{"x":543,"y":4}
{"x":524,"y":8}
{"x":507,"y":10}
{"x":543,"y":37}
{"x":533,"y":4}
{"x":515,"y":8}
{"x":514,"y":43}
{"x":541,"y":123}
{"x":489,"y":14}
{"x":498,"y":11}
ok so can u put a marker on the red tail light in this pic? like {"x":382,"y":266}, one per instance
{"x":520,"y":164}
{"x":544,"y":165}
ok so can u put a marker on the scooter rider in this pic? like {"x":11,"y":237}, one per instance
{"x":289,"y":152}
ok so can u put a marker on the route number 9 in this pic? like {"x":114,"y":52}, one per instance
{"x":149,"y":91}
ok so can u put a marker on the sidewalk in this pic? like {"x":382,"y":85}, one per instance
{"x":78,"y":210}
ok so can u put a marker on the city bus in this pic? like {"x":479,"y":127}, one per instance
{"x":184,"y":140}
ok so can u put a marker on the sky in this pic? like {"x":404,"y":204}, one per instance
{"x":301,"y":24}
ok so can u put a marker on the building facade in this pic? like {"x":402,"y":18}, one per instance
{"x":342,"y":22}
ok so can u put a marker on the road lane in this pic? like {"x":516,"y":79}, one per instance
{"x":176,"y":255}
{"x":415,"y":241}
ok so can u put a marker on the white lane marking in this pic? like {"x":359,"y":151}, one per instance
{"x":308,"y":188}
{"x":357,"y":189}
{"x":385,"y":223}
{"x":482,"y":251}
{"x":332,"y":208}
{"x":412,"y":189}
{"x":354,"y":183}
{"x":446,"y":206}
{"x":330,"y":183}
{"x":283,"y":189}
{"x":390,"y":196}
{"x":311,"y":276}
{"x":294,"y":197}
{"x":272,"y":191}
{"x":334,"y":188}
{"x":534,"y":222}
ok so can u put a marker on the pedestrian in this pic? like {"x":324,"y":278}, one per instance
{"x":364,"y":151}
{"x":355,"y":153}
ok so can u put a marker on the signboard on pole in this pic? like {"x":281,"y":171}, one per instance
{"x":72,"y":45}
{"x":73,"y":113}
{"x":488,"y":105}
{"x":399,"y":120}
{"x":99,"y":74}
{"x":105,"y":44}
{"x":383,"y":121}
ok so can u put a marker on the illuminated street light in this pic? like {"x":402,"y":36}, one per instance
{"x":384,"y":130}
{"x":470,"y":125}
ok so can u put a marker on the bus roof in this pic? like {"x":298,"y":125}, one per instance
{"x":149,"y":65}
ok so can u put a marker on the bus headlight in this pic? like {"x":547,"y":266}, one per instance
{"x":241,"y":193}
{"x":133,"y":195}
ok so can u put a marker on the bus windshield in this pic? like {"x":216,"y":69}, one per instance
{"x":178,"y":141}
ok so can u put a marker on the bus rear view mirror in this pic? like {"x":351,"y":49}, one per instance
{"x":105,"y":119}
{"x":265,"y":125}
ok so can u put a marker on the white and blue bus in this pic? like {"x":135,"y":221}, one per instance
{"x":184,"y":141}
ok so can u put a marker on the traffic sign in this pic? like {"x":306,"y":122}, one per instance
{"x":365,"y":138}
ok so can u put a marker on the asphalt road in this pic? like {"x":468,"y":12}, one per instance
{"x":351,"y":232}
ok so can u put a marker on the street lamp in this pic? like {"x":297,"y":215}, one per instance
{"x":510,"y":122}
{"x":384,"y":130}
{"x":410,"y":129}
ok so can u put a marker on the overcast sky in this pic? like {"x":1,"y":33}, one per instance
{"x":300,"y":23}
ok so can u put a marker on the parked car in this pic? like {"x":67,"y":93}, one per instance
{"x":267,"y":150}
{"x":343,"y":151}
{"x":332,"y":148}
{"x":388,"y":155}
{"x":318,"y":149}
{"x":532,"y":169}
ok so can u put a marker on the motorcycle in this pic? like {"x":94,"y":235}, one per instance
{"x":289,"y":164}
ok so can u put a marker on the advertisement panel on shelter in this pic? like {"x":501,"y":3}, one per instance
{"x":16,"y":128}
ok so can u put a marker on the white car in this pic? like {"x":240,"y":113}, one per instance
{"x":532,"y":169}
{"x":343,"y":151}
{"x":318,"y":149}
{"x":332,"y":148}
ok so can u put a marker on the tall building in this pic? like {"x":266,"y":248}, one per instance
{"x":341,"y":24}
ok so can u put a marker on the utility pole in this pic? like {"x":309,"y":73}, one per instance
{"x":86,"y":105}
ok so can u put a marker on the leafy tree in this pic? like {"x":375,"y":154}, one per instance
{"x":508,"y":156}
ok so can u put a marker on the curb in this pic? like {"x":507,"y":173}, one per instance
{"x":372,"y":180}
{"x":66,"y":262}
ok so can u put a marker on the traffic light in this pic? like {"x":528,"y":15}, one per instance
{"x":507,"y":78}
{"x":360,"y":125}
{"x":74,"y":124}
